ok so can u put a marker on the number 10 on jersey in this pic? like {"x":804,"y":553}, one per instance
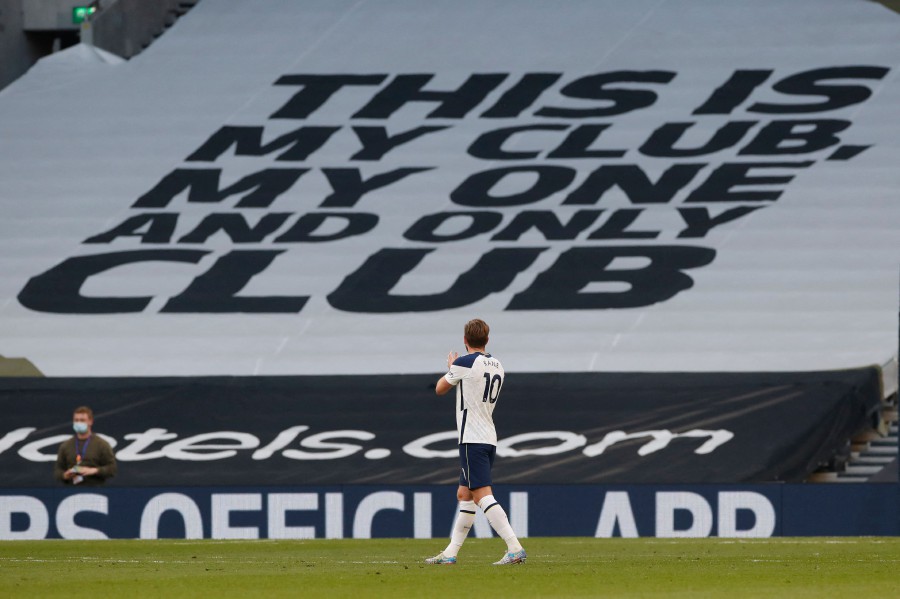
{"x":492,"y":387}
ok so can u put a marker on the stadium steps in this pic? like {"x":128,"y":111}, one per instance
{"x":862,"y":470}
{"x":873,"y":456}
{"x":128,"y":27}
{"x":870,"y":451}
{"x":175,"y":13}
{"x":184,"y":6}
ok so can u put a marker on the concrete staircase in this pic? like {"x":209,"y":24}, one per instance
{"x":869,"y":453}
{"x":127,"y":27}
{"x":869,"y":457}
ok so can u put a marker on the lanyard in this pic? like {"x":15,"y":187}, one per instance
{"x":79,"y":454}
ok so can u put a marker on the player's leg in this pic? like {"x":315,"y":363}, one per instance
{"x":465,"y":518}
{"x":483,"y":495}
{"x":496,"y":515}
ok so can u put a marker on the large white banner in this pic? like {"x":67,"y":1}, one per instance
{"x":335,"y":187}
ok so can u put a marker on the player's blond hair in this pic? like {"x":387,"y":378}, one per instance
{"x":476,"y":333}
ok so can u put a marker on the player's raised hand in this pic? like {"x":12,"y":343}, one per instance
{"x":451,"y":358}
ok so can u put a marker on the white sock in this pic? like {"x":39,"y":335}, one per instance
{"x":500,"y":522}
{"x":464,"y":520}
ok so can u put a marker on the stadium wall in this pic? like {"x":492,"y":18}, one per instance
{"x":618,"y":187}
{"x":19,"y":51}
{"x":358,"y":511}
{"x":708,"y":187}
{"x":308,"y":457}
{"x":553,"y":428}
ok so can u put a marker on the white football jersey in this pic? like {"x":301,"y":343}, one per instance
{"x":478,"y":378}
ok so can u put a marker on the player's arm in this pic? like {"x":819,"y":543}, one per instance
{"x":443,"y":385}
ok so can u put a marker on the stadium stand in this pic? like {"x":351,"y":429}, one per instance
{"x":679,"y":218}
{"x":127,"y":27}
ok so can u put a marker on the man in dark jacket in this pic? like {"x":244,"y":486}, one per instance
{"x":85,"y":459}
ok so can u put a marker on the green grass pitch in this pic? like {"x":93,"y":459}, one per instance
{"x":556,"y":567}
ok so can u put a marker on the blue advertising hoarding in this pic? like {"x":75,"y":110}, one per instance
{"x":360,"y":511}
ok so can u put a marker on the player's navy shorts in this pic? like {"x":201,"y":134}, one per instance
{"x":475,"y":460}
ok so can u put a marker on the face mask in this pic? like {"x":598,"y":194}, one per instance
{"x":80,"y":427}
